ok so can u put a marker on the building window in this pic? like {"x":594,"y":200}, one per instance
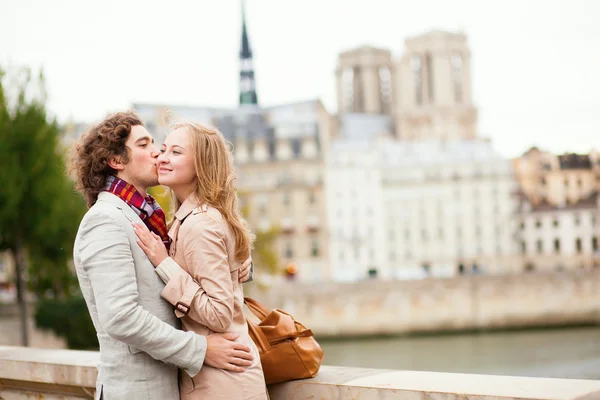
{"x":538,"y":223}
{"x":348,"y":89}
{"x":285,"y":198}
{"x":312,"y":198}
{"x":579,"y":183}
{"x":417,"y":72}
{"x":426,"y":268}
{"x":262,"y":203}
{"x":594,"y":244}
{"x":385,"y":89}
{"x":315,"y":248}
{"x":555,"y":223}
{"x":522,"y":225}
{"x":429,"y":65}
{"x":296,"y":147}
{"x":289,"y":251}
{"x":457,"y":77}
{"x":539,"y":246}
{"x":577,"y":220}
{"x":557,"y":245}
{"x":523,"y":247}
{"x":578,"y":246}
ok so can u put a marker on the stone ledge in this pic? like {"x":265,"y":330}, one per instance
{"x":68,"y":374}
{"x":342,"y":382}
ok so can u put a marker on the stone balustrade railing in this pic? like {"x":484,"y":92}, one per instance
{"x":29,"y":373}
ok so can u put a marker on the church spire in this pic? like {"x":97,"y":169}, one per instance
{"x":247,"y":82}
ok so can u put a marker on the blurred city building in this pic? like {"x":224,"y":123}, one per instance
{"x":559,"y":213}
{"x":427,"y":91}
{"x":412,"y":190}
{"x":411,"y":209}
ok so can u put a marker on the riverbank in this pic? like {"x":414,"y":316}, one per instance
{"x":462,"y":304}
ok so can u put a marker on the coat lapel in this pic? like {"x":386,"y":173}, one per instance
{"x":111,"y":199}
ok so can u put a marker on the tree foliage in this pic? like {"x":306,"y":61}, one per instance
{"x":264,"y":254}
{"x":40,"y":210}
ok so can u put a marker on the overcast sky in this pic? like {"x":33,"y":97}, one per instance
{"x":536,"y":63}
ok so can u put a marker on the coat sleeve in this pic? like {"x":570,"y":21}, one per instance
{"x":106,"y":258}
{"x":206,"y":294}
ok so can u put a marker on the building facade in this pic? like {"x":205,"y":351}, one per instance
{"x":427,"y":90}
{"x":559,"y":212}
{"x":402,"y":210}
{"x":560,"y":237}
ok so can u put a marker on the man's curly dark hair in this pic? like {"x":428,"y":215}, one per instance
{"x":96,"y":148}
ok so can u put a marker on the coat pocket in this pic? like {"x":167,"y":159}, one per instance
{"x":186,"y":382}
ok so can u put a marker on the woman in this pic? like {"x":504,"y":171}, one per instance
{"x":209,"y":242}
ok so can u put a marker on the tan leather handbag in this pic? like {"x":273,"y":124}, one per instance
{"x":287,"y":349}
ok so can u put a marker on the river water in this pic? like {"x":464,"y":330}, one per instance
{"x":557,"y":353}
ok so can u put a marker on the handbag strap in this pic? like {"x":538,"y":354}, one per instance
{"x":293,"y":335}
{"x":257,"y":309}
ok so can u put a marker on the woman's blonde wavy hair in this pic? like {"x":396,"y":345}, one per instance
{"x":216,"y":181}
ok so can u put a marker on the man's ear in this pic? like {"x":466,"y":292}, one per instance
{"x":116,"y":163}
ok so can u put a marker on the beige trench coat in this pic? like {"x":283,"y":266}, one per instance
{"x":202,"y":283}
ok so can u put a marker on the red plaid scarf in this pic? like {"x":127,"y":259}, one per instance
{"x":146,"y":208}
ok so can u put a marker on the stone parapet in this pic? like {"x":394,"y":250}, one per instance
{"x":29,"y":373}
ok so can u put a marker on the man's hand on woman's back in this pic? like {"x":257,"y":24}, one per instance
{"x":223,"y":352}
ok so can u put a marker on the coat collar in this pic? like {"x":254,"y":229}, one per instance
{"x":107,"y":197}
{"x":189,"y":205}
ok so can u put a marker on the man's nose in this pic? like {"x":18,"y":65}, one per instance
{"x":154,"y":153}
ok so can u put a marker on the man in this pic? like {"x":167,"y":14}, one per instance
{"x":140,"y":345}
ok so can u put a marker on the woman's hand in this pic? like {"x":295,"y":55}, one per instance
{"x":245,"y":271}
{"x":151,"y":243}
